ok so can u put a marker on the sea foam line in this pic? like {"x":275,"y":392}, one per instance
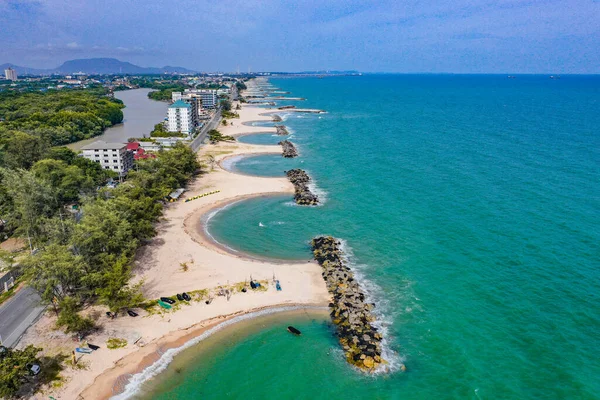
{"x":382,"y":322}
{"x":137,"y":380}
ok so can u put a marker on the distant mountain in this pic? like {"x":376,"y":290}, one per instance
{"x":104,"y":66}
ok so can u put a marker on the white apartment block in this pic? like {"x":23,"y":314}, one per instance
{"x":180,"y":117}
{"x":113,"y":156}
{"x":10,"y":74}
{"x":208,"y":97}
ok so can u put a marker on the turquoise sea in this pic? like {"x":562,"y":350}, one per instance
{"x":470,"y":206}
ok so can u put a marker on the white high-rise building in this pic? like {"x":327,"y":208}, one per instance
{"x":180,"y":117}
{"x":10,"y":74}
{"x":113,"y":156}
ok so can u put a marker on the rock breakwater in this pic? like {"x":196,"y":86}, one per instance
{"x":281,"y":130}
{"x":289,"y":150}
{"x":352,"y":315}
{"x":302,"y":195}
{"x":277,"y":118}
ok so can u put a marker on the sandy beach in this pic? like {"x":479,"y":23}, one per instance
{"x":182,"y":257}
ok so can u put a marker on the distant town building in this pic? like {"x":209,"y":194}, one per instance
{"x":10,"y":74}
{"x":113,"y":156}
{"x":180,"y":117}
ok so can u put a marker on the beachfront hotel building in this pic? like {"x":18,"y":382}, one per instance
{"x":112,"y":156}
{"x":10,"y":74}
{"x":180,"y":117}
{"x":207,"y":97}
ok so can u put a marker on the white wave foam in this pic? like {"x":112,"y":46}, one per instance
{"x":321,"y":194}
{"x":209,"y":216}
{"x":261,"y":225}
{"x":383,"y":319}
{"x":137,"y":380}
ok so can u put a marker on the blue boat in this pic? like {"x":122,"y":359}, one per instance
{"x":83,"y":350}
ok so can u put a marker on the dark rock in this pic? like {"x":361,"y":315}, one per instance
{"x":303,"y":195}
{"x":289,"y":150}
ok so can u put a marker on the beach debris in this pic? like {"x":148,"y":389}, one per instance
{"x":351,"y":314}
{"x":281,"y":130}
{"x":289,"y":150}
{"x":303,"y":195}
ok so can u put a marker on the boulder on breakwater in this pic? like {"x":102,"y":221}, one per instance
{"x":289,"y":150}
{"x":277,"y":118}
{"x":281,"y":130}
{"x":303,"y":195}
{"x":352,"y":315}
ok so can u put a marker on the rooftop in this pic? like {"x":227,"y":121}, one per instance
{"x":100,"y":145}
{"x":180,"y":104}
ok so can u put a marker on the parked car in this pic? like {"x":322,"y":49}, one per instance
{"x":33,"y":369}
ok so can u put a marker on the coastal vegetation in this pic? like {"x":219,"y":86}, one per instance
{"x":302,"y":195}
{"x":38,"y":120}
{"x":160,"y":130}
{"x":215,"y":136}
{"x":165,"y":91}
{"x":85,"y":258}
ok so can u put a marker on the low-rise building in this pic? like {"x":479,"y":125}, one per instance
{"x":112,"y":156}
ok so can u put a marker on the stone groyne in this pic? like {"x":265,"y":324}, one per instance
{"x":289,"y":150}
{"x":281,"y":130}
{"x":277,"y":118}
{"x":352,"y":315}
{"x":302,"y":195}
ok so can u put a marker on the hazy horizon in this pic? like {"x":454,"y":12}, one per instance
{"x":464,"y":36}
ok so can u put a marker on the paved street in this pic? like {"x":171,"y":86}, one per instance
{"x":17,"y":314}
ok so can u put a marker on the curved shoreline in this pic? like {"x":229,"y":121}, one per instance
{"x":206,"y":239}
{"x":248,"y":155}
{"x":156,"y":357}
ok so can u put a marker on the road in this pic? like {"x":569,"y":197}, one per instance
{"x":17,"y":314}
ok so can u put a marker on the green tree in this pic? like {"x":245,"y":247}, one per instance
{"x":116,"y":293}
{"x":55,"y":273}
{"x":69,"y":317}
{"x":20,"y":149}
{"x":14,"y":369}
{"x":226,"y":105}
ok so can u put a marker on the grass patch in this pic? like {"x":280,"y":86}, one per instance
{"x":8,"y":294}
{"x":116,"y":343}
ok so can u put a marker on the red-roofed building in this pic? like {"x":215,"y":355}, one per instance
{"x":138,"y":152}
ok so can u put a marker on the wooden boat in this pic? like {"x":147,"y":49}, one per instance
{"x":132,"y":313}
{"x":179,"y":297}
{"x":167,"y":300}
{"x":293,"y":330}
{"x":93,"y":346}
{"x":164,"y":305}
{"x":186,"y":296}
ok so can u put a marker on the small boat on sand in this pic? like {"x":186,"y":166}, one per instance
{"x":167,"y":300}
{"x":164,"y":305}
{"x":186,"y":296}
{"x":179,"y":297}
{"x":83,"y":350}
{"x":293,"y":330}
{"x":93,"y":346}
{"x":277,"y":285}
{"x":132,"y":313}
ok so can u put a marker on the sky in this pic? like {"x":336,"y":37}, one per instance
{"x":453,"y":36}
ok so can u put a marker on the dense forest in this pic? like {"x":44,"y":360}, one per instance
{"x":52,"y":118}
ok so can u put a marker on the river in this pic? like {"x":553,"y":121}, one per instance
{"x":139,"y":117}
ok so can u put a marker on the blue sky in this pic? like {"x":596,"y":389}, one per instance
{"x":463,"y":36}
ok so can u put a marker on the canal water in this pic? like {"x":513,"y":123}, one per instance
{"x":139,"y":117}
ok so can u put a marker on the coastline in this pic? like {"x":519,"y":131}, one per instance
{"x":181,"y":240}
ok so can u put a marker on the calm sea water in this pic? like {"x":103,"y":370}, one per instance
{"x":470,"y":205}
